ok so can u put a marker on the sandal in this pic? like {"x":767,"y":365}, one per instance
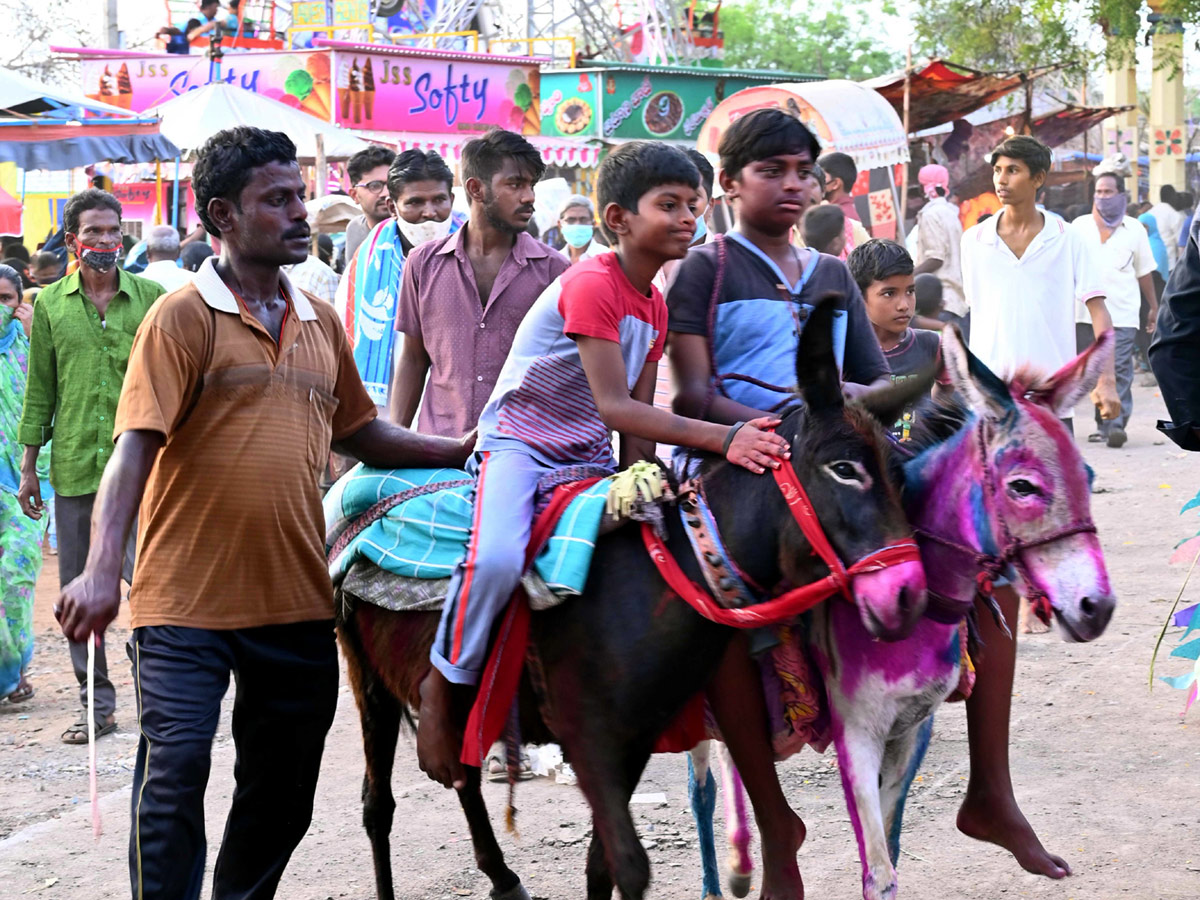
{"x":22,"y":694}
{"x":1096,"y":438}
{"x":77,"y":733}
{"x":497,"y":769}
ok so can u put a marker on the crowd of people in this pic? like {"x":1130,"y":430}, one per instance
{"x":180,"y":421}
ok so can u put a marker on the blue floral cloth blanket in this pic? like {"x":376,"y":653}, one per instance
{"x":424,"y":535}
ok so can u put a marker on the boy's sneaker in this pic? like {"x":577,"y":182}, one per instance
{"x":1117,"y":437}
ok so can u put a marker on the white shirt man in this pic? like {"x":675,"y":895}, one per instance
{"x":940,"y":237}
{"x":162,"y":251}
{"x":1023,"y":309}
{"x":167,"y":273}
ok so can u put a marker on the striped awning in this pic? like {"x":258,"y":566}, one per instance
{"x":555,"y":151}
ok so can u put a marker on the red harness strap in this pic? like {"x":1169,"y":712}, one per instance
{"x":797,"y":600}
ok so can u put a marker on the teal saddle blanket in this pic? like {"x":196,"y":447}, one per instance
{"x":424,"y":535}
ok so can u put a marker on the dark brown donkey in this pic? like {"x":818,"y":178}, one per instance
{"x":620,"y":662}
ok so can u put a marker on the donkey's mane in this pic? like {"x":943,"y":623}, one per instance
{"x":936,"y":422}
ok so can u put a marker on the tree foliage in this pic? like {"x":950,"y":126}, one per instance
{"x":33,"y":25}
{"x":794,"y":36}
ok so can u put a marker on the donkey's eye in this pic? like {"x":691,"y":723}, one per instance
{"x":1022,"y":487}
{"x":849,"y":472}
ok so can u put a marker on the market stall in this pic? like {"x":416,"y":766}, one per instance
{"x":845,"y":116}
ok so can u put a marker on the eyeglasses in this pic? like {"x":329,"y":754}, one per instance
{"x":373,"y":186}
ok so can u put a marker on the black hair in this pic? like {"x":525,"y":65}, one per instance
{"x":417,"y":165}
{"x":45,"y":259}
{"x":877,"y":259}
{"x":929,"y":294}
{"x":819,"y":174}
{"x":92,"y":198}
{"x":193,"y":254}
{"x":324,"y":248}
{"x":365,"y":160}
{"x":226,"y":162}
{"x":839,"y":165}
{"x":1184,"y":201}
{"x":1028,"y":150}
{"x":1168,"y":194}
{"x":983,"y":217}
{"x":821,"y":225}
{"x":762,"y":134}
{"x":12,"y":276}
{"x":484,"y":156}
{"x":704,"y":167}
{"x":1117,"y":179}
{"x":17,"y":250}
{"x":637,"y":167}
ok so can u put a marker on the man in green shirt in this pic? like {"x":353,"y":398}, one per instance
{"x":83,"y":328}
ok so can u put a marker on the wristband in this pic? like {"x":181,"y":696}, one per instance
{"x":733,"y":430}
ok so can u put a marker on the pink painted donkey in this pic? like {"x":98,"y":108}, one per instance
{"x":996,"y":489}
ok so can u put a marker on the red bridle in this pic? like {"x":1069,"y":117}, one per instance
{"x":797,"y":600}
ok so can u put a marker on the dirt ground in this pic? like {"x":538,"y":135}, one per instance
{"x":1102,"y":766}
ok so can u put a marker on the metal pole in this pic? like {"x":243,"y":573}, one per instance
{"x":904,"y":170}
{"x":320,"y":186}
{"x":175,"y":198}
{"x":111,"y":33}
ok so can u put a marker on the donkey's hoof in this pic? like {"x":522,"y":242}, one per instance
{"x":880,"y":885}
{"x":739,"y":884}
{"x":516,"y":892}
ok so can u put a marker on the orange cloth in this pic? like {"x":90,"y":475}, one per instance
{"x":969,"y":211}
{"x":231,"y":530}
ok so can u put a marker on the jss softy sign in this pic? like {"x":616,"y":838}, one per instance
{"x":388,"y":92}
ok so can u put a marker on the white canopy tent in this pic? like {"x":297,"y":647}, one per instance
{"x":194,"y":116}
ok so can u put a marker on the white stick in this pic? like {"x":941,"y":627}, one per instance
{"x":91,"y":727}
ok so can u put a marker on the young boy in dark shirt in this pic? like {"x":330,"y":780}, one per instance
{"x":824,"y":229}
{"x":883,"y":271}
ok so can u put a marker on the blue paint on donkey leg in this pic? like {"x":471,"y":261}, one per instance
{"x":924,"y":732}
{"x":704,"y":805}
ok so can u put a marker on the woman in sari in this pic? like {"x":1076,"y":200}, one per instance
{"x":20,"y":537}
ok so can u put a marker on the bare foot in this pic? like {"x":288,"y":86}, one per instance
{"x":439,"y":742}
{"x":1027,"y":622}
{"x":781,"y":874}
{"x":1001,"y":822}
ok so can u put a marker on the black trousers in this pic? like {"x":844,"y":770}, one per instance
{"x":287,"y":681}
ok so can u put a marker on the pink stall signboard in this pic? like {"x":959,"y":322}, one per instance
{"x":391,"y":91}
{"x":298,"y":78}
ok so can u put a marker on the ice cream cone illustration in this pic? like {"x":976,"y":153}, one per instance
{"x":343,"y":89}
{"x":318,"y":66}
{"x":368,"y":91}
{"x":317,"y":102}
{"x":356,"y":98}
{"x":108,"y":86}
{"x":124,"y":98}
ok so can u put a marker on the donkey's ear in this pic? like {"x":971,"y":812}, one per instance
{"x":816,"y":366}
{"x":1074,"y":381}
{"x":887,"y":404}
{"x":981,"y":389}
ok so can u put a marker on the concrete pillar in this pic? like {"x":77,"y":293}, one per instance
{"x":1168,"y":131}
{"x":1121,"y":131}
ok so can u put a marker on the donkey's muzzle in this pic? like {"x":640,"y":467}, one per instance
{"x":891,"y":600}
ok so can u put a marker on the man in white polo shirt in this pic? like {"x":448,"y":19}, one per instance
{"x":1122,"y":246}
{"x":1024,"y":271}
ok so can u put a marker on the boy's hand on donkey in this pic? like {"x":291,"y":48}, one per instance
{"x":756,"y":448}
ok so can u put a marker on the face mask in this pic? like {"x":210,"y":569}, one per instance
{"x":578,"y":236}
{"x":701,"y":230}
{"x":1111,"y":209}
{"x":422,"y":232}
{"x":97,"y":258}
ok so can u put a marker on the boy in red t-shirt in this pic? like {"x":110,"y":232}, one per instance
{"x":582,"y":365}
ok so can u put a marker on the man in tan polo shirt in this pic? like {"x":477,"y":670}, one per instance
{"x":237,"y":385}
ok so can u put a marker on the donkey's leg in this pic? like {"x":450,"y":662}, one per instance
{"x":901,"y":759}
{"x":990,"y":812}
{"x":608,"y":784}
{"x":488,"y":855}
{"x":380,"y":713}
{"x":737,"y":826}
{"x":599,"y":882}
{"x":860,"y":752}
{"x":702,"y":791}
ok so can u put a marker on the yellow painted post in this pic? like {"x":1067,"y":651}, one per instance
{"x":1168,"y":140}
{"x":1120,"y":132}
{"x":157,"y":192}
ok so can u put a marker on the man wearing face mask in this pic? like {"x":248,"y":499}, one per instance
{"x":1122,"y":246}
{"x":577,"y":224}
{"x":462,"y":297}
{"x":420,"y":193}
{"x":83,"y":328}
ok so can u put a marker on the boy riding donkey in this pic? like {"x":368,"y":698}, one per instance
{"x":731,"y":304}
{"x":582,"y":365}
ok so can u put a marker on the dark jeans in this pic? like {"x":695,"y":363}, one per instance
{"x":73,"y":521}
{"x":287,"y":682}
